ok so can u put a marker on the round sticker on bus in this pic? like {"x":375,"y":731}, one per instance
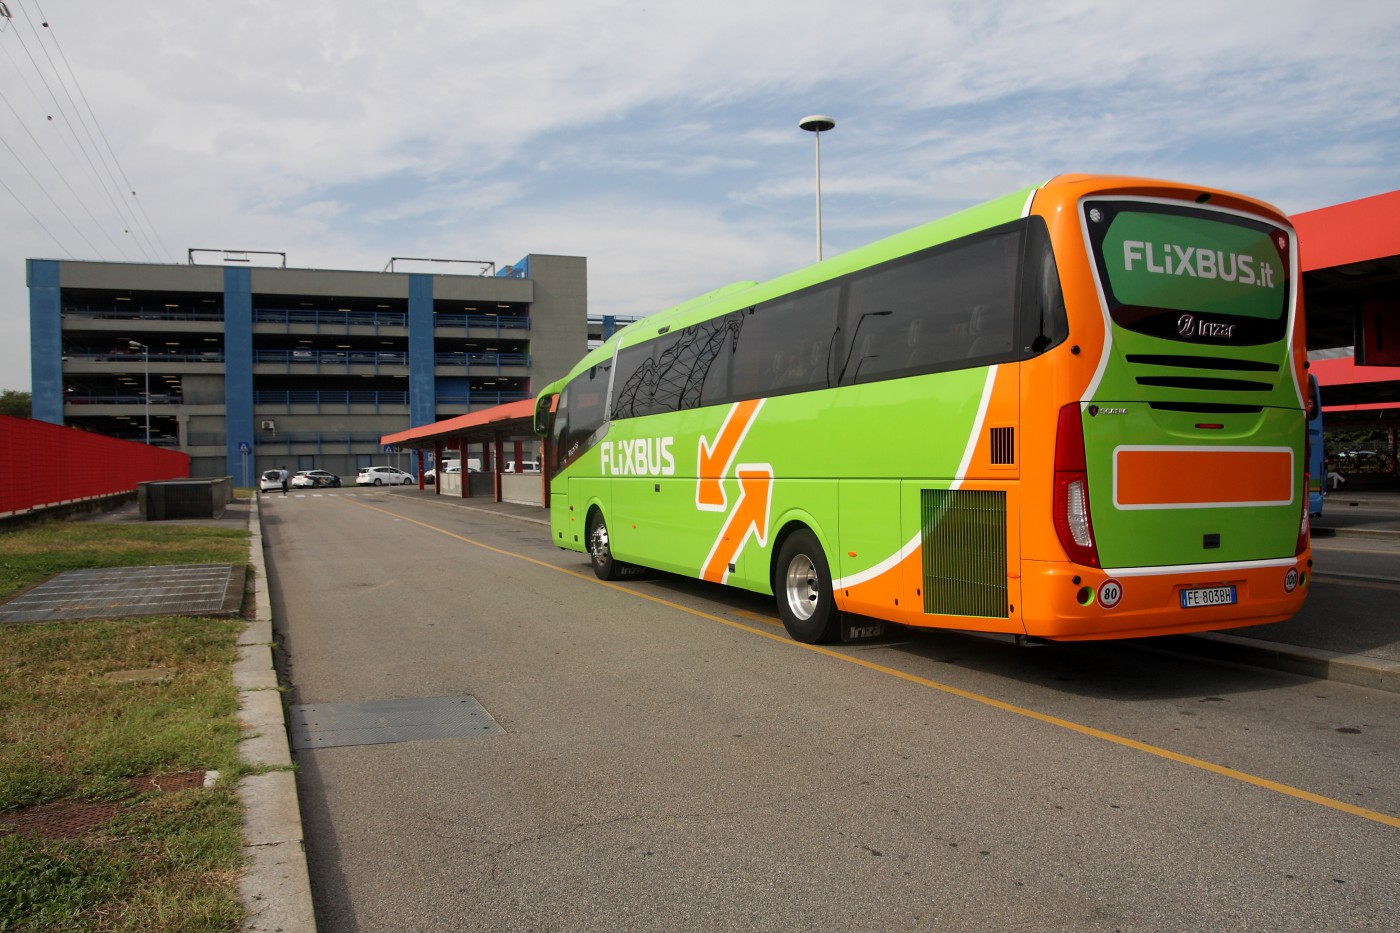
{"x":1110,"y":593}
{"x":1290,"y":580}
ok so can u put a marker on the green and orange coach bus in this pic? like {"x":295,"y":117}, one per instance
{"x":1074,"y":412}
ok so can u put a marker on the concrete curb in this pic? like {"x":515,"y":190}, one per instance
{"x":275,"y":887}
{"x":1360,"y":670}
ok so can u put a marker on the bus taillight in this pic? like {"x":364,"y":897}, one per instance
{"x":1073,"y":523}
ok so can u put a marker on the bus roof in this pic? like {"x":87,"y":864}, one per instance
{"x":744,"y":294}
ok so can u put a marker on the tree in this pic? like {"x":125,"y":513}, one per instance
{"x":15,"y":403}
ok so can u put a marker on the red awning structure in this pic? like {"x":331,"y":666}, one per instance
{"x":1343,"y":234}
{"x":511,"y":418}
{"x":491,"y":428}
{"x":1350,"y":258}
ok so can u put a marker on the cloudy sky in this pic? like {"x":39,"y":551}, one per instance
{"x":659,"y":139}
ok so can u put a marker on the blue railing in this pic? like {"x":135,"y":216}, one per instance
{"x":124,"y":311}
{"x":123,"y":355}
{"x":125,"y":398}
{"x":325,"y":400}
{"x":483,"y":359}
{"x":479,"y":398}
{"x":321,"y":441}
{"x":320,"y":318}
{"x":333,"y":357}
{"x":492,"y":322}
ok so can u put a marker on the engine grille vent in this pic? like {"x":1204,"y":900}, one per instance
{"x":964,"y":547}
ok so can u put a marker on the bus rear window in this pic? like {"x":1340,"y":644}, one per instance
{"x":1188,"y":273}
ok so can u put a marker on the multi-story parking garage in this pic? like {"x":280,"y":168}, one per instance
{"x":253,"y":368}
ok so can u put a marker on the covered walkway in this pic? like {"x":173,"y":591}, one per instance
{"x":499,"y":442}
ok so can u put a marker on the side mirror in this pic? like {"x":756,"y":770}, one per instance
{"x":544,"y":413}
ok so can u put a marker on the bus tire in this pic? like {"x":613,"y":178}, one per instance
{"x":600,"y":548}
{"x":802,"y":586}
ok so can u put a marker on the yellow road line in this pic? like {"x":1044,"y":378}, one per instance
{"x":1241,"y":776}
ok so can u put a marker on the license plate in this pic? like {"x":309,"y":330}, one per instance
{"x":1208,"y":596}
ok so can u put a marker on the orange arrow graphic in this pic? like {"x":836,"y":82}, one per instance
{"x":750,"y":517}
{"x":713,"y":460}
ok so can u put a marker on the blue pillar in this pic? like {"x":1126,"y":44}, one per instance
{"x":238,"y":365}
{"x":45,"y":341}
{"x":422,"y":389}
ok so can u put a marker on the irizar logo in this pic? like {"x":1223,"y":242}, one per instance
{"x":1197,"y":262}
{"x":1188,"y":326}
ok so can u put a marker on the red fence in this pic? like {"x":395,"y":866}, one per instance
{"x":43,"y":464}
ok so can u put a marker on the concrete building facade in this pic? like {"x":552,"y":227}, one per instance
{"x":252,"y":368}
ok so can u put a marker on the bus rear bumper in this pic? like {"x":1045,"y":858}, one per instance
{"x":1069,"y":602}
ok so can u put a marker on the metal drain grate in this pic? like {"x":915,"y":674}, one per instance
{"x":381,"y":722}
{"x":58,"y":820}
{"x":123,"y":592}
{"x":67,"y":819}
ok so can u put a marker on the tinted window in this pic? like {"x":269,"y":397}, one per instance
{"x":784,"y":345}
{"x":944,"y":308}
{"x":674,"y":372}
{"x":991,"y":297}
{"x":582,"y":411}
{"x":1190,"y":274}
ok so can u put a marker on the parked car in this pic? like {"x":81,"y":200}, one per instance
{"x":448,"y":466}
{"x":270,"y":481}
{"x":383,"y":476}
{"x":314,"y":479}
{"x":526,"y":466}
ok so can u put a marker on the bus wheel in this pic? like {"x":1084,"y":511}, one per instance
{"x":599,"y":550}
{"x":802,"y":585}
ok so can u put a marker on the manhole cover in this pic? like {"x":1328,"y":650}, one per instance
{"x":379,"y":722}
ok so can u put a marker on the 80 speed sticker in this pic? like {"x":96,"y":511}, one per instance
{"x":1110,"y":593}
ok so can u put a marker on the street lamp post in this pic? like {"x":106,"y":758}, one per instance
{"x":816,"y":125}
{"x":146,"y":365}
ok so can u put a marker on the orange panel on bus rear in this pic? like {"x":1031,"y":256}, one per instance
{"x":1182,"y":477}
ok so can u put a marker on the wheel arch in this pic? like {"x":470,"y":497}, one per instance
{"x":783,"y":528}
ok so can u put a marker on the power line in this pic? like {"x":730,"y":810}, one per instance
{"x":81,"y":203}
{"x":63,"y":115}
{"x":46,"y":194}
{"x":119,"y":202}
{"x":36,"y":219}
{"x":100,"y":132}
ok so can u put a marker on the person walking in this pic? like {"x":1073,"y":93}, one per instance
{"x":284,"y":480}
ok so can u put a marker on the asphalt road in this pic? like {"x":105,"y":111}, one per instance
{"x":671,"y":761}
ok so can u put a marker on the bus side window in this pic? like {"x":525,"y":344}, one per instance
{"x":1044,"y":322}
{"x":944,"y":308}
{"x":582,"y":413}
{"x":991,"y":333}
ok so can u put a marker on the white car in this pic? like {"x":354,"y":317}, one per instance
{"x":314,"y":479}
{"x":449,"y":466}
{"x":383,"y":476}
{"x":270,"y":481}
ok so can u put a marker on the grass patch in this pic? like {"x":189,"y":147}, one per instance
{"x":31,"y":555}
{"x":68,"y":734}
